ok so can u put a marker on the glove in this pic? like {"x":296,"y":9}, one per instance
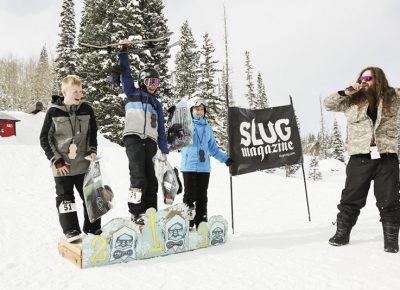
{"x":123,"y":47}
{"x":229,"y":162}
{"x":59,"y":163}
{"x":114,"y":79}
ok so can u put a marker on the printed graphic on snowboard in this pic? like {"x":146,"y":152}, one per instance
{"x":179,"y":124}
{"x":98,"y":197}
{"x":165,"y":232}
{"x":168,"y":178}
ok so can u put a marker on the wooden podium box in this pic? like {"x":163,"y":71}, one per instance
{"x":71,"y":251}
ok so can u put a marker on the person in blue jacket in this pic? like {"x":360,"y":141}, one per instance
{"x":195,"y":162}
{"x":144,"y":131}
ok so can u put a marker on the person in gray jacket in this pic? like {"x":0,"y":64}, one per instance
{"x":371,"y":107}
{"x":68,"y":135}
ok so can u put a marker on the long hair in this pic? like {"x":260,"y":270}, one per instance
{"x":381,"y":89}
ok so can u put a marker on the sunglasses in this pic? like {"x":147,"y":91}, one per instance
{"x":150,"y":81}
{"x":365,"y":78}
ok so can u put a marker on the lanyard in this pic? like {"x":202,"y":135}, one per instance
{"x":198,"y":137}
{"x":70,"y":122}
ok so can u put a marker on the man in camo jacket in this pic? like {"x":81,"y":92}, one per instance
{"x":371,"y":107}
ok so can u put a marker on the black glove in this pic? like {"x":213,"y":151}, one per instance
{"x":114,"y":79}
{"x":229,"y":162}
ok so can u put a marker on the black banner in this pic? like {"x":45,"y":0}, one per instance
{"x":262,"y":139}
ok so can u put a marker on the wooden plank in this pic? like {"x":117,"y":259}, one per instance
{"x":71,"y":251}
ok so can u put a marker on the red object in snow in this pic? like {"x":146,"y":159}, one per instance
{"x":7,"y":125}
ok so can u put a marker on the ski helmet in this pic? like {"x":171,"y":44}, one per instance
{"x":195,"y":102}
{"x":147,"y":73}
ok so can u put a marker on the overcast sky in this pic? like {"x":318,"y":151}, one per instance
{"x":303,"y":48}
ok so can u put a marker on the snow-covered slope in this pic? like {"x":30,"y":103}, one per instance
{"x":274,"y":245}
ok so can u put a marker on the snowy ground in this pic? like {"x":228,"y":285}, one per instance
{"x":274,"y":245}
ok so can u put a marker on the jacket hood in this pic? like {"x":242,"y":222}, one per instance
{"x":58,"y":102}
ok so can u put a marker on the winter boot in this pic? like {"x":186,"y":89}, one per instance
{"x":342,"y":236}
{"x":72,"y":236}
{"x":391,"y":237}
{"x":191,"y":213}
{"x":138,"y":219}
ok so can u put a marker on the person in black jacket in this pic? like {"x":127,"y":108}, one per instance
{"x":68,"y":135}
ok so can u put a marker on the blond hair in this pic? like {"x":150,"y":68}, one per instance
{"x":70,"y":80}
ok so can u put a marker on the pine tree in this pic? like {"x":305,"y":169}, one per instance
{"x":207,"y":73}
{"x":106,"y":21}
{"x":216,"y":102}
{"x":314,"y":172}
{"x":323,"y":137}
{"x":337,"y":143}
{"x":261,"y":100}
{"x":186,"y":61}
{"x":157,"y":55}
{"x":65,"y":61}
{"x":222,"y":88}
{"x":24,"y":82}
{"x":42,"y":85}
{"x":250,"y":95}
{"x":311,"y":145}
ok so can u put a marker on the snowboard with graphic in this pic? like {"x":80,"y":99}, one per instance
{"x":165,"y":232}
{"x":179,"y":126}
{"x":98,"y":196}
{"x":168,"y":178}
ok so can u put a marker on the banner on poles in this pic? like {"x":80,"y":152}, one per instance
{"x":263,"y":139}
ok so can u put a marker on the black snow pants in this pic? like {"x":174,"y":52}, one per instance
{"x":360,"y":171}
{"x":140,"y":154}
{"x":195,"y":195}
{"x":65,"y":203}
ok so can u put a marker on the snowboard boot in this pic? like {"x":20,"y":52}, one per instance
{"x":391,"y":237}
{"x":191,"y":213}
{"x":342,"y":235}
{"x":192,"y":227}
{"x":72,"y":236}
{"x":138,"y":219}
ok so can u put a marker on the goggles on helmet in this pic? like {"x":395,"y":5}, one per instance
{"x":151,"y":81}
{"x":199,"y":101}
